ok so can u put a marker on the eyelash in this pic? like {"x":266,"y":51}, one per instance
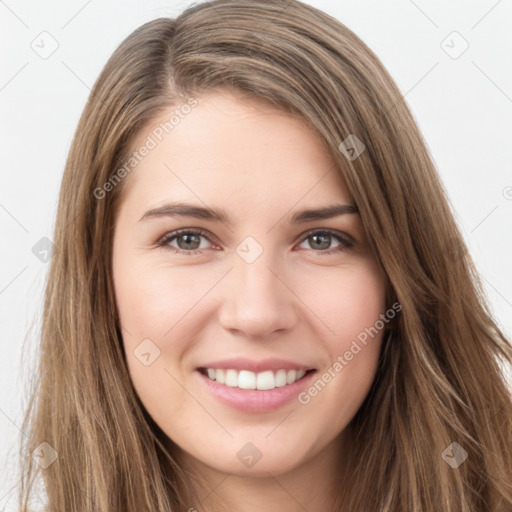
{"x":169,"y":237}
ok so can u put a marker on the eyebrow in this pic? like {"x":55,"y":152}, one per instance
{"x":218,"y":215}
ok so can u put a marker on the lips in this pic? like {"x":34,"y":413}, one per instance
{"x":246,"y":374}
{"x":256,"y":366}
{"x":254,"y":400}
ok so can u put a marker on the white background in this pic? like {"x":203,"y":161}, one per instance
{"x":463,"y":107}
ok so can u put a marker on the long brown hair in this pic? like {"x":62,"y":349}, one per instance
{"x":440,"y":378}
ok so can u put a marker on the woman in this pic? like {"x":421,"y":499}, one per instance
{"x":199,"y":350}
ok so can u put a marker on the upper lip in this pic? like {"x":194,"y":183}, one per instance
{"x":255,"y":366}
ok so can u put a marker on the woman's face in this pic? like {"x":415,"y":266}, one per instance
{"x":253,"y":295}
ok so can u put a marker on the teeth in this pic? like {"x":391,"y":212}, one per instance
{"x":266,"y":380}
{"x":280,"y":378}
{"x":231,"y":378}
{"x":219,"y":376}
{"x":291,"y":376}
{"x":246,"y":379}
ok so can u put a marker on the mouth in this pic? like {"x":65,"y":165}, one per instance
{"x":254,"y":386}
{"x":261,"y":381}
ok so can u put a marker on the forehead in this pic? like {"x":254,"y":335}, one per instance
{"x":228,"y":149}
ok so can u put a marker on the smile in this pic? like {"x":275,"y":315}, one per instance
{"x":246,"y":379}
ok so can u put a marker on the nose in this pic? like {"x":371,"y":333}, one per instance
{"x":257,"y":300}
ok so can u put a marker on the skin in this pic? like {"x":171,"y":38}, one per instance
{"x":292,"y":302}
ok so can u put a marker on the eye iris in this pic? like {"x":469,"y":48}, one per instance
{"x":188,"y":238}
{"x":326,"y":240}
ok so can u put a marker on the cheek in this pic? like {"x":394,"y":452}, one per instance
{"x":154,"y":307}
{"x":348,"y":302}
{"x":352,"y":307}
{"x":164,"y":305}
{"x":152,"y":299}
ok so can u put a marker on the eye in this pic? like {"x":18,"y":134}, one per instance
{"x":322,"y":239}
{"x":188,"y":241}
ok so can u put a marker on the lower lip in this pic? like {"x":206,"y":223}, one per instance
{"x":254,"y":400}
